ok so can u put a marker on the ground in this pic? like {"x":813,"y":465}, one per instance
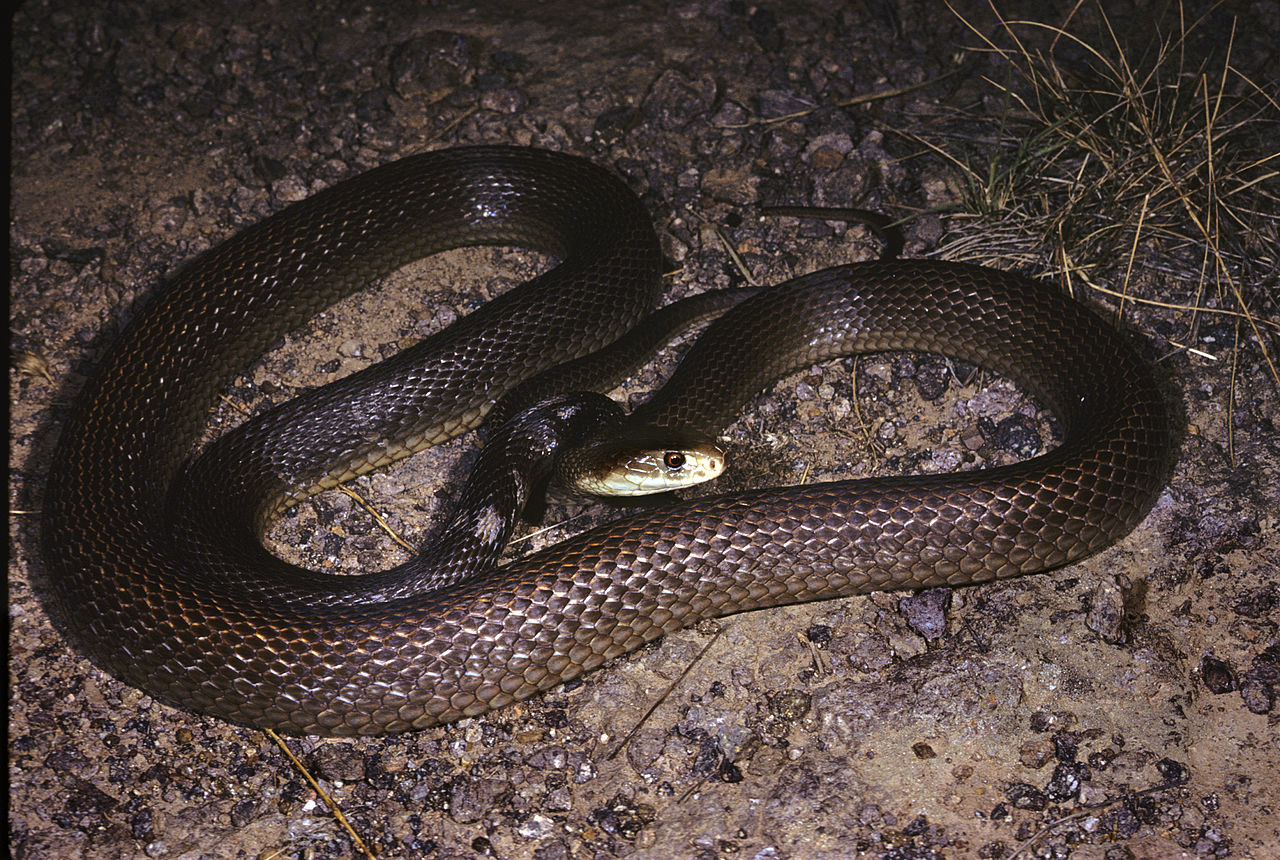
{"x":1123,"y":707}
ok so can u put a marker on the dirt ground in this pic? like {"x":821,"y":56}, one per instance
{"x":1123,"y":707}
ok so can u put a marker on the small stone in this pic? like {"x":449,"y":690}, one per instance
{"x":1174,"y":772}
{"x":1036,"y":753}
{"x":923,"y":751}
{"x":1024,"y":796}
{"x":338,"y":762}
{"x":1217,"y":675}
{"x":1106,"y":613}
{"x":1257,"y":697}
{"x":168,"y":218}
{"x":536,"y":827}
{"x":1017,"y":434}
{"x":926,"y":611}
{"x":503,"y":100}
{"x":932,"y":377}
{"x":290,"y":189}
{"x":1066,"y":781}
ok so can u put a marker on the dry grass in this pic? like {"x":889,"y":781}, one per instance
{"x":1112,"y":160}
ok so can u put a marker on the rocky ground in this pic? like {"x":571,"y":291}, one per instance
{"x":1122,"y":708}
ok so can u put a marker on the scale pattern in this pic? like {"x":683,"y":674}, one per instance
{"x":240,"y":635}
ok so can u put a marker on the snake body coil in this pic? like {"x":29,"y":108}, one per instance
{"x":243,"y":636}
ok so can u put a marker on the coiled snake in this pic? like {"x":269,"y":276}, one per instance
{"x":242,"y":636}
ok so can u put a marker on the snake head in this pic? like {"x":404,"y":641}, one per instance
{"x":641,"y":460}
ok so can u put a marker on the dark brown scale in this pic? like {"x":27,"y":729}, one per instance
{"x":246,"y":641}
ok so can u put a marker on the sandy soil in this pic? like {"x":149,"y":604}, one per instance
{"x":1121,"y":708}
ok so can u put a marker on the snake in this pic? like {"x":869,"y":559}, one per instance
{"x":233,"y":632}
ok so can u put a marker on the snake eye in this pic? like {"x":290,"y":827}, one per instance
{"x":673,"y":460}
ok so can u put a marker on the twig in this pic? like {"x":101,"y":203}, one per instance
{"x":728,"y":246}
{"x":1026,"y":846}
{"x":315,"y":786}
{"x":663,"y":697}
{"x":846,"y":102}
{"x":1133,"y":253}
{"x":377,"y":517}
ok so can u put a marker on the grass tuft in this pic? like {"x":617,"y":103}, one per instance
{"x":1115,"y":157}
